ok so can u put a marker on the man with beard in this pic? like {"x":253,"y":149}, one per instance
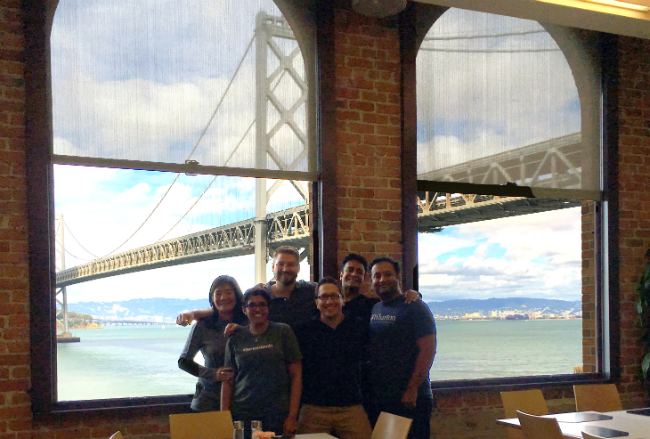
{"x":333,"y":346}
{"x":292,"y":302}
{"x":403,"y":344}
{"x":359,"y":304}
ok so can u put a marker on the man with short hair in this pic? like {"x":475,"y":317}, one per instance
{"x":353,"y":277}
{"x":403,"y":345}
{"x":292,"y":301}
{"x":333,"y":347}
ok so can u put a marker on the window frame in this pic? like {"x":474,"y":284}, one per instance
{"x":414,"y":23}
{"x":37,"y":24}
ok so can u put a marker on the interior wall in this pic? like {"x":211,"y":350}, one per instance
{"x":367,"y":142}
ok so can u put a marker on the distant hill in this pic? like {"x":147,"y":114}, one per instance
{"x":168,"y":309}
{"x":142,"y":309}
{"x":461,"y":307}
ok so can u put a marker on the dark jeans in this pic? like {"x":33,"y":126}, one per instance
{"x":421,"y":415}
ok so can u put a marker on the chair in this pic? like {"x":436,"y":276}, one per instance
{"x":391,"y":426}
{"x":590,"y":436}
{"x":528,"y":401}
{"x":116,"y":435}
{"x":206,"y":425}
{"x":597,"y":398}
{"x":537,"y":427}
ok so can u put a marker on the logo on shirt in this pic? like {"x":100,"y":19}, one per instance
{"x":380,"y":318}
{"x":257,"y":348}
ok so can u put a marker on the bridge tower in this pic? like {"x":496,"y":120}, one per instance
{"x":61,"y":294}
{"x":285,"y":109}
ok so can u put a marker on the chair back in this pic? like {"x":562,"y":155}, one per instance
{"x":537,"y":427}
{"x":391,"y":426}
{"x":528,"y":401}
{"x":116,"y":435}
{"x":597,"y":398}
{"x":589,"y":436}
{"x":206,"y":425}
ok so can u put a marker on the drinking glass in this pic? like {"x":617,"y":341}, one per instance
{"x":255,"y":426}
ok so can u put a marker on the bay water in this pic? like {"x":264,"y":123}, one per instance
{"x":131,"y":361}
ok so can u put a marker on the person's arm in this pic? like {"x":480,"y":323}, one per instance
{"x":227,"y":386}
{"x":295,"y":373}
{"x":412,"y":296}
{"x":192,"y":345}
{"x":427,"y":346}
{"x":226,"y":393}
{"x":187,"y":317}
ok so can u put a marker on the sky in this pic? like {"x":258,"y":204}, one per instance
{"x":147,"y":89}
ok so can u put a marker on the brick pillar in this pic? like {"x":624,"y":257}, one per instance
{"x":634,"y":200}
{"x":15,"y":413}
{"x":368,"y":136}
{"x":589,"y":318}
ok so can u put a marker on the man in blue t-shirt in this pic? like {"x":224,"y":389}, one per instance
{"x":403,"y":344}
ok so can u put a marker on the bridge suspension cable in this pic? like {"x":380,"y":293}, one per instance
{"x":196,"y":145}
{"x":76,"y":240}
{"x":226,"y":162}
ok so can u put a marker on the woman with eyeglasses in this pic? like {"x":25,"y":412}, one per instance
{"x":267,"y":370}
{"x":209,"y":337}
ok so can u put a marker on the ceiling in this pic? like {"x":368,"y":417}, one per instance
{"x":572,"y":13}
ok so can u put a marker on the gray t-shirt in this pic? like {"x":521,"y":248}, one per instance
{"x":262,"y":382}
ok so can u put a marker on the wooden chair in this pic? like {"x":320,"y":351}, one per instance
{"x":206,"y":425}
{"x":391,"y":426}
{"x":528,"y":401}
{"x":116,"y":435}
{"x":537,"y":427}
{"x":597,"y":398}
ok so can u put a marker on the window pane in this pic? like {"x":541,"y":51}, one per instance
{"x":104,"y":212}
{"x":222,"y":83}
{"x":506,"y":292}
{"x":498,"y":102}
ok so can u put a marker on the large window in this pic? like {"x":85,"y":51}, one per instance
{"x":508,"y":165}
{"x":183,"y":149}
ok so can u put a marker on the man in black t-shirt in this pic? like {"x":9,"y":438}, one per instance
{"x":333,"y":346}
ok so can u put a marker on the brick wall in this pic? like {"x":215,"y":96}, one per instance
{"x":15,"y":413}
{"x":368,"y":168}
{"x":368,"y":140}
{"x":589,"y":332}
{"x":634,"y":204}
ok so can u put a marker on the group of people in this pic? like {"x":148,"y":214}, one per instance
{"x":309,"y":358}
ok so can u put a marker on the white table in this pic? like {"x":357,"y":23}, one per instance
{"x":315,"y":436}
{"x":638,"y":426}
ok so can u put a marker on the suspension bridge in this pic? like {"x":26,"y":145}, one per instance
{"x":543,"y":164}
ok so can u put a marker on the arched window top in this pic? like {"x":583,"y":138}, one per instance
{"x":498,"y":102}
{"x":220,"y":83}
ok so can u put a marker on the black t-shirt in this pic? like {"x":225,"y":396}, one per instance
{"x":298,"y":309}
{"x":332,"y":360}
{"x":360,"y":308}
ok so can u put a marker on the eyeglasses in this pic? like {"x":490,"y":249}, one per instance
{"x":326,"y":297}
{"x":261,"y":305}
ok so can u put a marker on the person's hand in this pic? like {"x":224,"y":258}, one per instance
{"x":230,"y":329}
{"x":185,"y":318}
{"x":412,"y":296}
{"x":290,"y":425}
{"x":224,"y":374}
{"x":409,"y":398}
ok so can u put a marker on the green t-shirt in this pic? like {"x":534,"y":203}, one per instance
{"x":262,"y":381}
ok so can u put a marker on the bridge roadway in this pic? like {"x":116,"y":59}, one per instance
{"x":546,"y":164}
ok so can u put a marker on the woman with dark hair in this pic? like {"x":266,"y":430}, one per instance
{"x":209,"y":337}
{"x":267,"y":370}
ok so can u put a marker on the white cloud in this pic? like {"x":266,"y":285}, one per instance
{"x":542,"y":258}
